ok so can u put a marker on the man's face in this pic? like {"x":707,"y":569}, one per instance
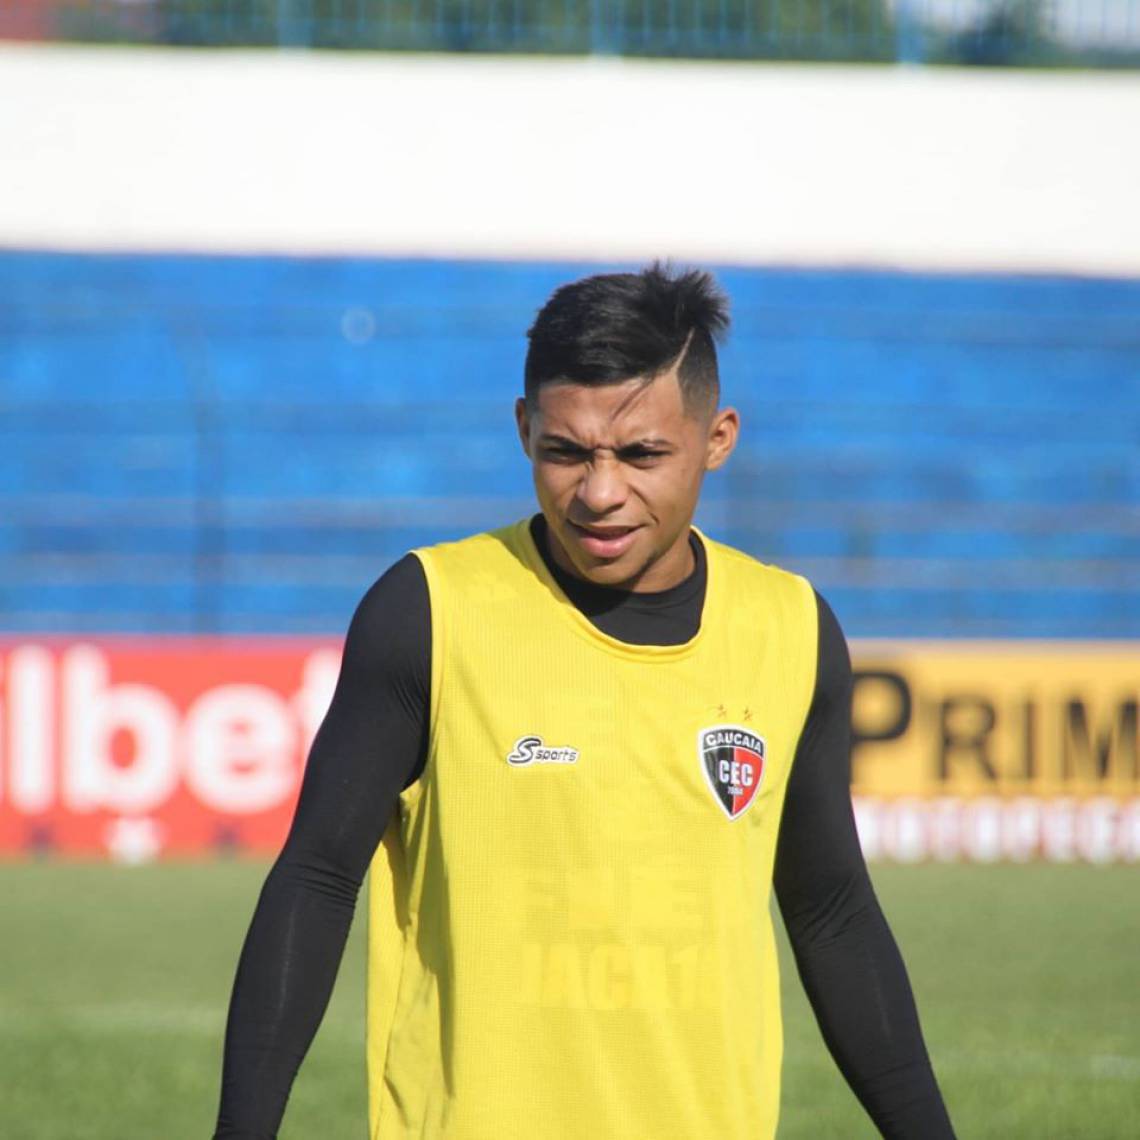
{"x":618,"y":469}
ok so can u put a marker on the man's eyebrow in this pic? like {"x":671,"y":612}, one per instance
{"x":563,"y":441}
{"x":647,"y":441}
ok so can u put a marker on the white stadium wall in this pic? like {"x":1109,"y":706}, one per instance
{"x":581,"y":158}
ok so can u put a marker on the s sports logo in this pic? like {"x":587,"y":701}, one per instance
{"x":532,"y":750}
{"x":732,"y":759}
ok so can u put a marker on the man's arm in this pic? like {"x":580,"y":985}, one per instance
{"x":371,"y":744}
{"x":847,"y":958}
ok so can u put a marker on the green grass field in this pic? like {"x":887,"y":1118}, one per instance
{"x":114,"y":983}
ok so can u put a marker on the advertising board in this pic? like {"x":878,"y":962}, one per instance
{"x":136,"y":748}
{"x":997,"y":750}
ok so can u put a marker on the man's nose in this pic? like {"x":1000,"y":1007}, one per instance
{"x":602,"y":488}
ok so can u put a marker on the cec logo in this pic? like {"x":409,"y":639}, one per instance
{"x":732,"y":759}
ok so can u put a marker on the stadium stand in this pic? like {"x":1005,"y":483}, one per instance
{"x":207,"y":444}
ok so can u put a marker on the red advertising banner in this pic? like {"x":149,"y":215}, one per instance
{"x":137,"y":748}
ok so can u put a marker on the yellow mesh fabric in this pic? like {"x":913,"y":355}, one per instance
{"x":575,"y":944}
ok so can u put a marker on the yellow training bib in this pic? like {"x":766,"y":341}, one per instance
{"x":569,"y":933}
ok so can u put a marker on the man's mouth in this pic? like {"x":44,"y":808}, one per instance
{"x":607,"y":541}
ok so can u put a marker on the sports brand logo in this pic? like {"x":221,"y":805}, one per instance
{"x":733,"y":762}
{"x":532,"y":750}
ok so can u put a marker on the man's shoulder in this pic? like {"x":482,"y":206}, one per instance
{"x":502,"y":539}
{"x":762,"y":595}
{"x":738,"y":563}
{"x":481,"y":559}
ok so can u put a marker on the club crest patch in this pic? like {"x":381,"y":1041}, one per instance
{"x":732,"y":759}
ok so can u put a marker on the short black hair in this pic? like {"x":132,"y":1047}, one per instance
{"x":620,"y":326}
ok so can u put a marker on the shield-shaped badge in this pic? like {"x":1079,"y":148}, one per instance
{"x":733,"y":762}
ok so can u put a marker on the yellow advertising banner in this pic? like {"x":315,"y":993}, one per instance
{"x":997,"y":750}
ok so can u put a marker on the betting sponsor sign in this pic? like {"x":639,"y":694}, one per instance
{"x":139,"y":747}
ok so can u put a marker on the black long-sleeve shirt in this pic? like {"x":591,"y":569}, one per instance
{"x":373,"y":743}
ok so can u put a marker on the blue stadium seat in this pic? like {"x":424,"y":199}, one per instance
{"x":231,"y":443}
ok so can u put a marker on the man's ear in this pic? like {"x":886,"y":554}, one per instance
{"x":522,"y":422}
{"x":724,"y":431}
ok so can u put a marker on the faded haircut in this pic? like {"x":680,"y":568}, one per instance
{"x":620,"y":326}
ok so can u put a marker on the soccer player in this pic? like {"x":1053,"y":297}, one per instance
{"x":578,"y":753}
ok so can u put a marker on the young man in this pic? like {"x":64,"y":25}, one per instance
{"x":592,"y":743}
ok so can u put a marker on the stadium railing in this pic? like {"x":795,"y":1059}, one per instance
{"x":1081,"y":33}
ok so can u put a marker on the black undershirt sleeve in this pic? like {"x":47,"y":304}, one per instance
{"x":371,"y":744}
{"x":847,"y":958}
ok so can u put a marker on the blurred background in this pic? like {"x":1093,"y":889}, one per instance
{"x":265,"y":275}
